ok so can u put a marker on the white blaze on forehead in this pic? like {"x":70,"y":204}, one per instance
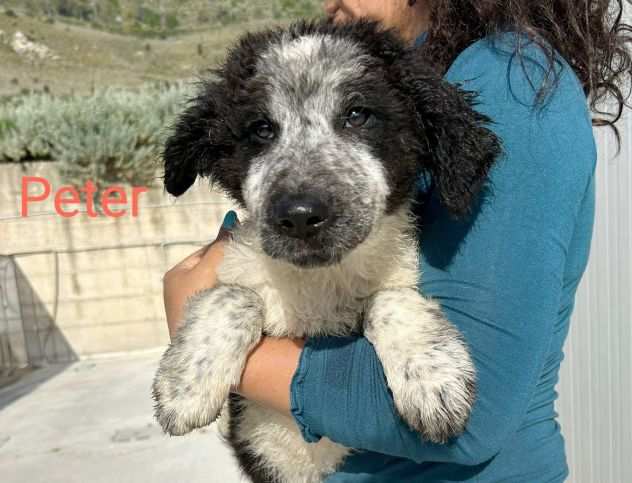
{"x":324,"y":58}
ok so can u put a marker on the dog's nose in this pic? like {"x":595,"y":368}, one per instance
{"x":300,"y":216}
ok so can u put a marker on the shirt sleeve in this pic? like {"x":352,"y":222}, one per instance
{"x":498,"y":277}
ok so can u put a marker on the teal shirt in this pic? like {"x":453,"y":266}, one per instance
{"x":507,"y":279}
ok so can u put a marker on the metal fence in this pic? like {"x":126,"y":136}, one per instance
{"x":30,"y":332}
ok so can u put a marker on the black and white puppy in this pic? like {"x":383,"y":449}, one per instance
{"x":319,"y":132}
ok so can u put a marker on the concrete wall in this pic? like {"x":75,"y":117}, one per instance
{"x":86,"y":285}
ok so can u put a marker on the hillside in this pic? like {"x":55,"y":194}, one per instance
{"x":160,"y":17}
{"x":85,"y":56}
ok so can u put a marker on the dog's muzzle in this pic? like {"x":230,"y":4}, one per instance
{"x":314,"y":226}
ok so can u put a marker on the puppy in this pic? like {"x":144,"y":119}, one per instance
{"x":319,"y":133}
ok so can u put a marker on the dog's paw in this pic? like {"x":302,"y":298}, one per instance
{"x":206,"y":358}
{"x":435,"y":398}
{"x":426,"y":362}
{"x":188,"y":392}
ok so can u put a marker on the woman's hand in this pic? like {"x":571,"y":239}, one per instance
{"x":270,"y":366}
{"x":193,"y":274}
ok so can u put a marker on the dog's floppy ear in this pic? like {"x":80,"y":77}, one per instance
{"x":457,"y":147}
{"x":196,"y":142}
{"x":204,"y":133}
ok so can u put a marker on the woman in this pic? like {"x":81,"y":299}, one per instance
{"x":506,"y":279}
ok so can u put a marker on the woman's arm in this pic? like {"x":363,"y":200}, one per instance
{"x":268,"y":372}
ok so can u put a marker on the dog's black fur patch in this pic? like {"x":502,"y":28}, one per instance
{"x":251,"y":464}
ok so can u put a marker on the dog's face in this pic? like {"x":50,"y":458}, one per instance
{"x":320,"y":131}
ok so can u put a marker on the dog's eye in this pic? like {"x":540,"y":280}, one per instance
{"x":263,"y":130}
{"x":358,"y":117}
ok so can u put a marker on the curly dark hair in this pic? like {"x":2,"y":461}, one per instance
{"x":591,"y":36}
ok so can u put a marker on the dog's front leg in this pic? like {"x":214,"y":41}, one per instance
{"x":206,"y":357}
{"x":426,"y":363}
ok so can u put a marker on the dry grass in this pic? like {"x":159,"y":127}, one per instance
{"x":91,"y":58}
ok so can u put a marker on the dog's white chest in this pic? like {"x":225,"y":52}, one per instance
{"x":297,"y":304}
{"x":327,"y":300}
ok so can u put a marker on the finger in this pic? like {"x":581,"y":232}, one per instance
{"x":230,"y":222}
{"x":212,"y":257}
{"x":214,"y":253}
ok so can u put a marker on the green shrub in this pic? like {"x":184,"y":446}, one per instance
{"x":112,"y":136}
{"x":148,"y":17}
{"x":226,"y":12}
{"x":172,"y":22}
{"x":7,"y":127}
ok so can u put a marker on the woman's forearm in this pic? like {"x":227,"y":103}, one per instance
{"x":268,"y":373}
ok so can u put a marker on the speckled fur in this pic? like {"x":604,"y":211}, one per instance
{"x":358,"y":276}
